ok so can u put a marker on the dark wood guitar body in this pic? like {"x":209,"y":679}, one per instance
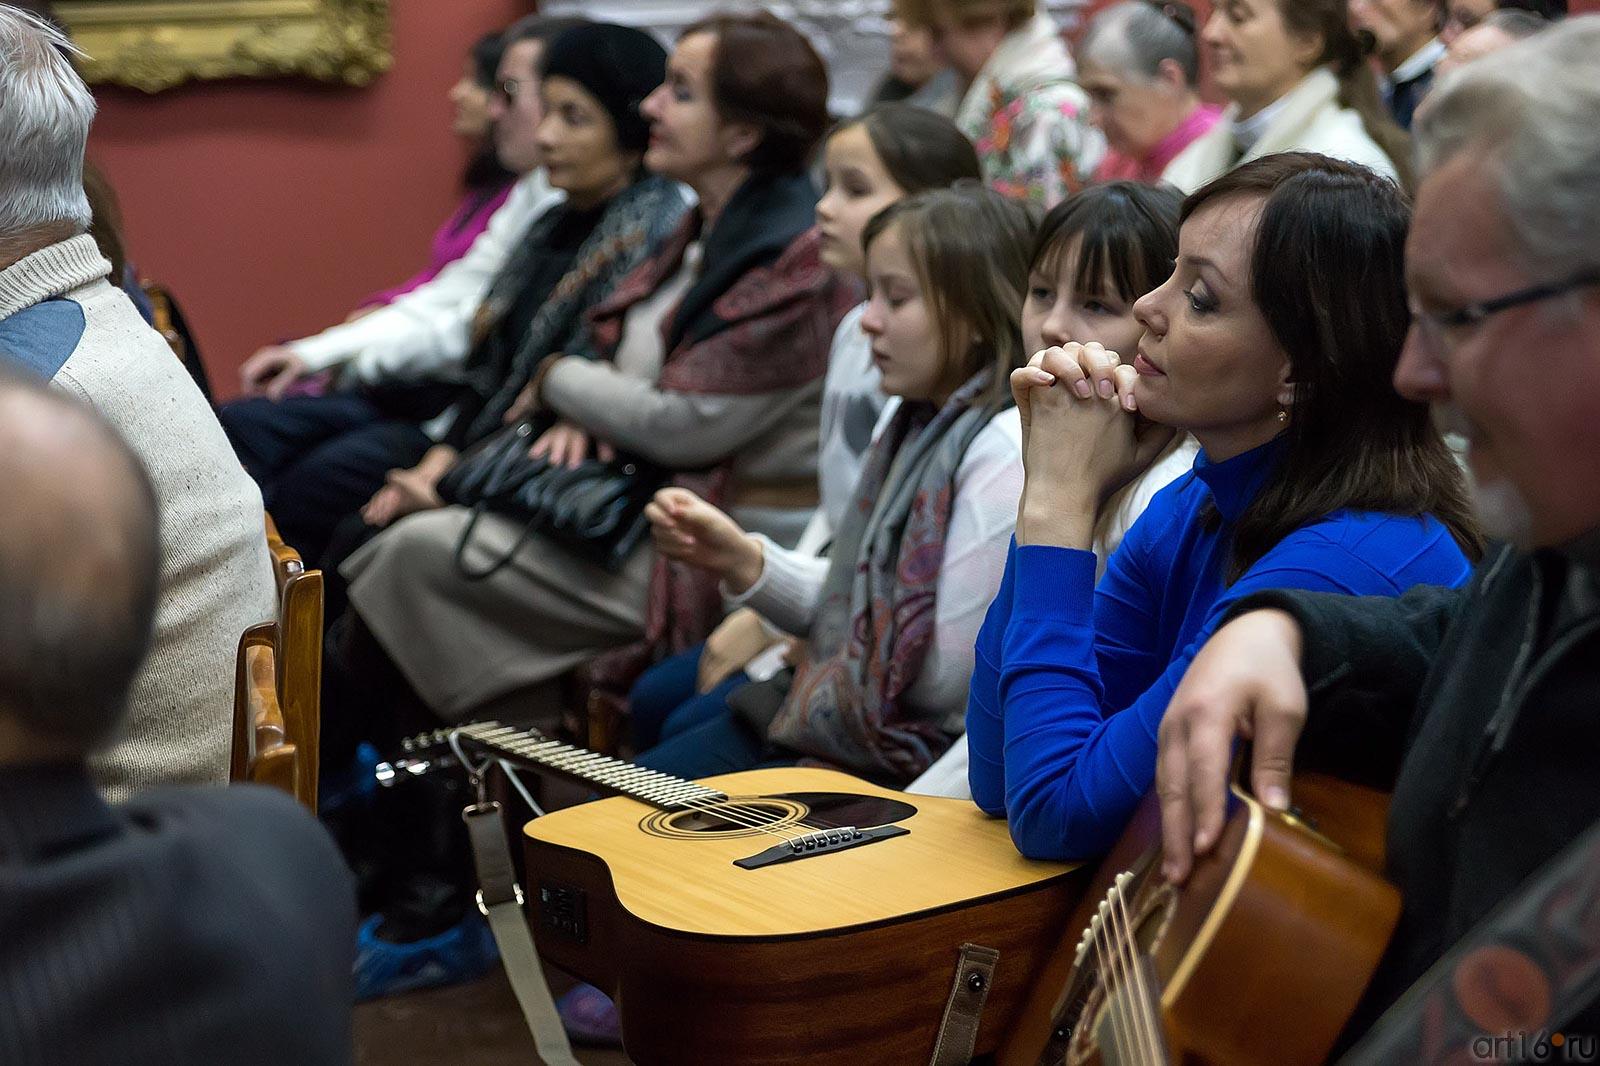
{"x":1258,"y":959}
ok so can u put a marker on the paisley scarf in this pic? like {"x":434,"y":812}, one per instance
{"x":875,"y":621}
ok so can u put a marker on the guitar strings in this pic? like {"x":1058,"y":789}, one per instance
{"x":1146,"y":1032}
{"x":1108,"y":975}
{"x":561,"y":756}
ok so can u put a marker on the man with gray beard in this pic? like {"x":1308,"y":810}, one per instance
{"x":1479,"y":707}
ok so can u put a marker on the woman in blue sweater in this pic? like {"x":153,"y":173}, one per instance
{"x":1272,"y":343}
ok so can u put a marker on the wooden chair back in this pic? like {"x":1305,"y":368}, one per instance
{"x":164,"y":320}
{"x":277,"y":707}
{"x":286,"y":562}
{"x":300,"y":674}
{"x":262,"y":751}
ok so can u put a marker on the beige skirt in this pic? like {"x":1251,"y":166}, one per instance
{"x":464,"y":643}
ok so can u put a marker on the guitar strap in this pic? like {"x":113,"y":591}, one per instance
{"x":1506,"y":989}
{"x":500,"y":900}
{"x":963,"y":1011}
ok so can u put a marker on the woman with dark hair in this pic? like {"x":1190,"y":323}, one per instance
{"x":486,"y":183}
{"x":1273,"y":344}
{"x":1298,"y":80}
{"x":707,"y":363}
{"x":1140,"y":65}
{"x":891,"y":152}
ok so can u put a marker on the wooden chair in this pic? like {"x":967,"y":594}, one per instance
{"x":286,"y":562}
{"x":163,"y":318}
{"x":277,"y":707}
{"x":300,"y":674}
{"x":262,"y":751}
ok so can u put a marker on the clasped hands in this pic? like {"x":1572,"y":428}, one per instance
{"x":1082,"y":440}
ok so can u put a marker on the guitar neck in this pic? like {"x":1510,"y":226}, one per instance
{"x":532,"y":749}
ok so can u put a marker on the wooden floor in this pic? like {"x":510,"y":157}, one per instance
{"x":476,"y":1024}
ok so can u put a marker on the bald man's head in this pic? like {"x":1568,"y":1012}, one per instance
{"x":79,"y":563}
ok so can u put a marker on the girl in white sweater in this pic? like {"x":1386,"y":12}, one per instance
{"x":890,"y":617}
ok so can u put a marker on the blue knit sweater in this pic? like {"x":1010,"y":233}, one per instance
{"x":1070,"y":680}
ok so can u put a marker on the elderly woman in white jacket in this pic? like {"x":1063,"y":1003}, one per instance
{"x":1297,"y":81}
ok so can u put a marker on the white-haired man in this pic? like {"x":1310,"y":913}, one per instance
{"x":1481,"y":707}
{"x":61,"y":321}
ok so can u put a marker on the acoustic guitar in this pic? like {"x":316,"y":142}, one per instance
{"x":780,"y":915}
{"x":1258,"y":959}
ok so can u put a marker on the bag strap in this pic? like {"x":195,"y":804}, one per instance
{"x":500,"y":900}
{"x":1543,"y":937}
{"x":963,"y":1011}
{"x":499,"y":564}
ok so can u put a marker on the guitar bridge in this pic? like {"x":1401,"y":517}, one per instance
{"x":821,"y":842}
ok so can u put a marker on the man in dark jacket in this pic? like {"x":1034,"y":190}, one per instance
{"x":185,"y":927}
{"x":1480,"y":707}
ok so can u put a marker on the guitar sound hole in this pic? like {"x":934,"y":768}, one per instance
{"x":740,"y":816}
{"x":745,"y":817}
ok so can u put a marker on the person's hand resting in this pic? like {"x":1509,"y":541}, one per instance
{"x":1085,"y":441}
{"x":568,"y":445}
{"x":687,"y":528}
{"x":409,"y":491}
{"x":271,"y":371}
{"x":731,"y":646}
{"x":1245,"y":682}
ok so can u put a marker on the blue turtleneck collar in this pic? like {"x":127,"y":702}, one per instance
{"x":1235,"y":482}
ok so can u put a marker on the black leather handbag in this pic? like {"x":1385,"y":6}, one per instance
{"x":595,"y":508}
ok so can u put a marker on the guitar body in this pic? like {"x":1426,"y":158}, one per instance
{"x":1259,"y":958}
{"x":843,"y":956}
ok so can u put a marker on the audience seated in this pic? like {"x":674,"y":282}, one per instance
{"x":486,"y":182}
{"x":893,"y":151}
{"x":1298,"y":81}
{"x":186,"y":925}
{"x":1407,"y":47}
{"x":571,"y":259}
{"x":317,"y":458}
{"x":63,"y":322}
{"x":1141,"y":68}
{"x":1020,"y":106}
{"x":1476,"y":705}
{"x":917,"y":74}
{"x":1497,"y":30}
{"x":1311,"y":474}
{"x":711,"y":358}
{"x":1094,"y":256}
{"x":946,"y":270}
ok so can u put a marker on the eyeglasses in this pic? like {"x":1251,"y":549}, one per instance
{"x":1436,"y":324}
{"x":508,"y":88}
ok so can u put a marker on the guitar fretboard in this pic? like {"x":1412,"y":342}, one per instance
{"x":531,"y":747}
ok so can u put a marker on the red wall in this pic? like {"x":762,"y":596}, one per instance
{"x":270,"y":207}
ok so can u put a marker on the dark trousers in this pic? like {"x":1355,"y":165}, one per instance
{"x":691,"y":734}
{"x":319,"y":459}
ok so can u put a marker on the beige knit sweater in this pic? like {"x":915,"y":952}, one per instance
{"x":216,"y":577}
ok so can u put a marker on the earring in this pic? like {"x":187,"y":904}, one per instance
{"x":1283,"y":417}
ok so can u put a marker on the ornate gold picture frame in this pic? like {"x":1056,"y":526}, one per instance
{"x":156,"y":44}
